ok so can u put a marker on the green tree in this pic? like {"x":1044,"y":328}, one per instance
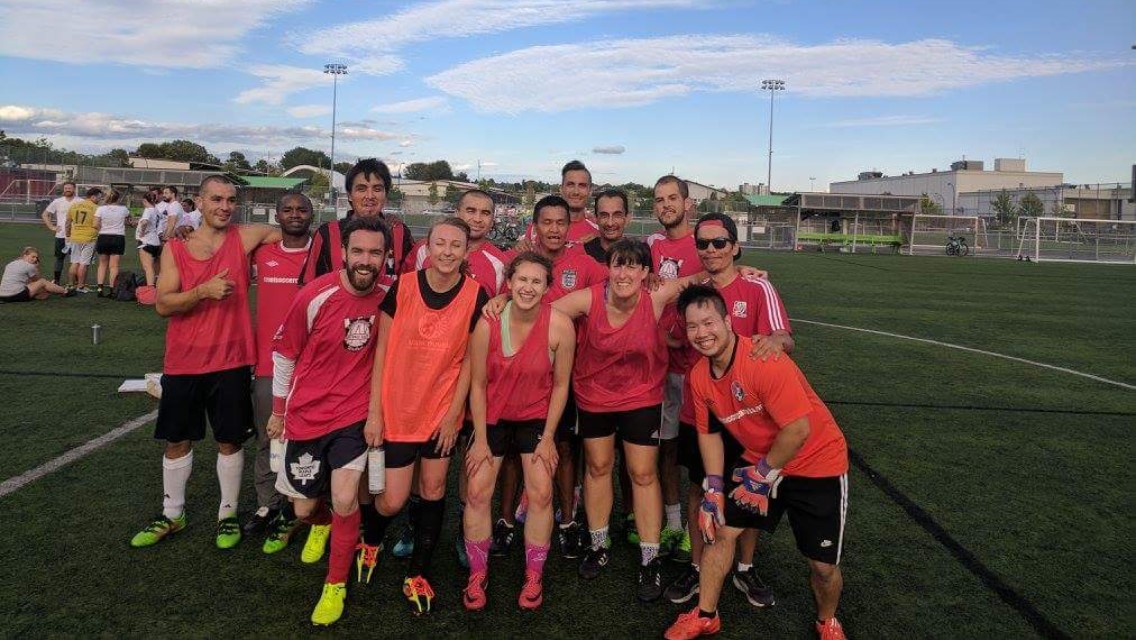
{"x":118,"y":157}
{"x":343,"y":167}
{"x":266,"y":167}
{"x":302,"y":155}
{"x":453,"y":194}
{"x":237,"y":162}
{"x":1031,"y":206}
{"x":178,"y":150}
{"x":426,"y":171}
{"x":395,"y":197}
{"x":432,"y":194}
{"x":317,"y":186}
{"x":929,"y":206}
{"x":1005,"y":211}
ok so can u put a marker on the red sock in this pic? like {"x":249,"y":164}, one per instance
{"x":344,"y":537}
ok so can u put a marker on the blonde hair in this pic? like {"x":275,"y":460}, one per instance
{"x":27,"y":251}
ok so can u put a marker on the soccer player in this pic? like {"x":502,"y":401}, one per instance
{"x":149,"y":240}
{"x":209,"y":353}
{"x":55,"y":219}
{"x":673,"y":256}
{"x":111,"y":221}
{"x":419,"y":390}
{"x":172,"y":212}
{"x":611,"y":218}
{"x":618,"y":378}
{"x":521,"y":365}
{"x":21,"y":281}
{"x":755,"y":310}
{"x":277,"y":269}
{"x":368,"y":183}
{"x":323,"y":356}
{"x":81,"y":236}
{"x":794,"y":460}
{"x":575,"y":187}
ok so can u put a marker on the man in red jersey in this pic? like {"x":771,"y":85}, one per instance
{"x":277,"y":273}
{"x":368,"y":184}
{"x":209,"y":350}
{"x":755,"y":310}
{"x":575,"y":188}
{"x":611,"y":218}
{"x":486,"y":263}
{"x":793,"y":460}
{"x":673,"y":256}
{"x":323,"y":356}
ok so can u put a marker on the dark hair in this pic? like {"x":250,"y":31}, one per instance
{"x":683,"y":189}
{"x":174,"y":189}
{"x":213,"y":179}
{"x":373,"y":224}
{"x":611,"y":193}
{"x":369,"y":167}
{"x":550,"y":201}
{"x":69,"y":182}
{"x":113,"y":196}
{"x":190,"y":202}
{"x":94,"y":191}
{"x":701,"y":295}
{"x":530,"y":257}
{"x":451,"y":221}
{"x":150,"y":198}
{"x":575,"y":165}
{"x":474,"y":192}
{"x":629,"y":252}
{"x":294,"y":194}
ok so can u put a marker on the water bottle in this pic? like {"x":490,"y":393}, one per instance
{"x":96,"y":333}
{"x":376,"y":470}
{"x":276,"y":455}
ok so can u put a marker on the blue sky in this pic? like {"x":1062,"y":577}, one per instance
{"x":634,"y":88}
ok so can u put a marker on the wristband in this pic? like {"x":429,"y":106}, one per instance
{"x":278,"y":405}
{"x":713,"y":483}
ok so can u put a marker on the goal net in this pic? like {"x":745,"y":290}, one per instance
{"x":929,"y":234}
{"x":1074,"y":240}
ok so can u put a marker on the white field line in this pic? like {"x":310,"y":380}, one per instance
{"x":12,"y":484}
{"x":960,"y":347}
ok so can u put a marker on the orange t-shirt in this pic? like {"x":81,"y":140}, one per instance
{"x":754,"y":400}
{"x":424,"y":355}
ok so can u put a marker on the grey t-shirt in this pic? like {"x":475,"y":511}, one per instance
{"x":16,"y":276}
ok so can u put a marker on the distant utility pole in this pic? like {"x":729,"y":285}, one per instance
{"x":335,"y":70}
{"x":772,"y":86}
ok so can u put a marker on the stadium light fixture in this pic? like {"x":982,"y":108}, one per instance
{"x":772,"y":86}
{"x":335,"y":69}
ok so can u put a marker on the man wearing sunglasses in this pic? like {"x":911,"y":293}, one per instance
{"x":21,"y":281}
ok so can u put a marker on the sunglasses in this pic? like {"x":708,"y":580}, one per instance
{"x":719,"y":243}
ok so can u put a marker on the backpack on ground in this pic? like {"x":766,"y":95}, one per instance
{"x":124,"y":286}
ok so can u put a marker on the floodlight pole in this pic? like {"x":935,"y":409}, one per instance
{"x":335,"y":70}
{"x":772,"y":86}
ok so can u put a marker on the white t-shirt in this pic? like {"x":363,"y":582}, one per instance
{"x":59,"y":208}
{"x":113,"y":217}
{"x":17,"y":274}
{"x":174,"y":210}
{"x":150,"y":236}
{"x":190,"y":219}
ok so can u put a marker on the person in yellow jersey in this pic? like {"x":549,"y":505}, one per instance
{"x":81,"y":236}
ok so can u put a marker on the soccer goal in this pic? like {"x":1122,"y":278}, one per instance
{"x":1073,"y":240}
{"x":932,"y":234}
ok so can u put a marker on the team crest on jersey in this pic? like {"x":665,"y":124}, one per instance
{"x":305,"y":469}
{"x":668,"y":268}
{"x":736,"y":389}
{"x":357,"y":332}
{"x":740,"y":308}
{"x":568,"y":279}
{"x":272,"y":263}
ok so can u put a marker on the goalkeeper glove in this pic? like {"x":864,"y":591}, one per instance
{"x":754,"y":485}
{"x":712,"y":513}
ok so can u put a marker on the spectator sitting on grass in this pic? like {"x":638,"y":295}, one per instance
{"x":22,"y":283}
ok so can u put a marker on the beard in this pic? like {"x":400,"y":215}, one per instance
{"x":362,"y":278}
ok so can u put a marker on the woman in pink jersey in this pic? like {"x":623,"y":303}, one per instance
{"x":621,"y":364}
{"x":521,"y":364}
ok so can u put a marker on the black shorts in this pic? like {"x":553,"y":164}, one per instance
{"x":817,"y":509}
{"x":23,"y":296}
{"x":153,"y":250}
{"x":690,"y":456}
{"x":60,"y":248}
{"x":508,"y":436}
{"x":224,"y":396}
{"x":637,"y":426}
{"x":308,"y":463}
{"x":404,"y":454}
{"x":110,"y":245}
{"x":567,"y":428}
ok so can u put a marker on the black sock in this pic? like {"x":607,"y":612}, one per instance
{"x":58,"y":275}
{"x":427,"y":530}
{"x":705,"y":614}
{"x":412,"y":507}
{"x":287,"y":512}
{"x":374,"y":524}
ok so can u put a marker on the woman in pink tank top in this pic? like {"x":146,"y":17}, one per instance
{"x":621,"y":364}
{"x":521,"y":363}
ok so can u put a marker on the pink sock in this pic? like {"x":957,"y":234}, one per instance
{"x":535,"y":555}
{"x":478,"y":553}
{"x":344,"y":536}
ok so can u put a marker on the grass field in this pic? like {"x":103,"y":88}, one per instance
{"x":999,"y":500}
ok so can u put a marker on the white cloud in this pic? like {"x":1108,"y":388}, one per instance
{"x":636,"y":72}
{"x":611,"y":150}
{"x":148,"y":33}
{"x":884,"y":121}
{"x":309,"y":110}
{"x":411,"y":106}
{"x":406,"y":143}
{"x":280,"y":81}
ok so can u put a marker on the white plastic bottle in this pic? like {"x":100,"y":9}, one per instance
{"x":376,"y":470}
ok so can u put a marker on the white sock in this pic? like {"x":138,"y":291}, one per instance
{"x":648,"y":551}
{"x":229,"y":470}
{"x":743,"y":567}
{"x":674,"y":516}
{"x":175,"y":475}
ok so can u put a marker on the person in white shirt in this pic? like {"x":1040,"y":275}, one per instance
{"x":111,"y":220}
{"x":192,"y":218}
{"x":55,"y":218}
{"x":21,"y":281}
{"x":149,"y":242}
{"x":173,"y":211}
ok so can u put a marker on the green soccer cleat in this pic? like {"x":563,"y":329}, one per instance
{"x":669,"y":541}
{"x":157,"y":530}
{"x":228,"y":533}
{"x":280,"y":532}
{"x":329,"y":609}
{"x":681,"y":552}
{"x":316,"y":543}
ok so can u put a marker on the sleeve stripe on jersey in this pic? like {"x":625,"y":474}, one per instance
{"x":772,"y":304}
{"x":316,"y":303}
{"x":498,"y":270}
{"x":420,"y":257}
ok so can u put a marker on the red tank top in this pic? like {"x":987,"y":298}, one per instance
{"x":217,"y":334}
{"x":619,"y":369}
{"x":423,"y":359}
{"x":519,"y":386}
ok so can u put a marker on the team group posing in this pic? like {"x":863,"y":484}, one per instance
{"x":379,"y":357}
